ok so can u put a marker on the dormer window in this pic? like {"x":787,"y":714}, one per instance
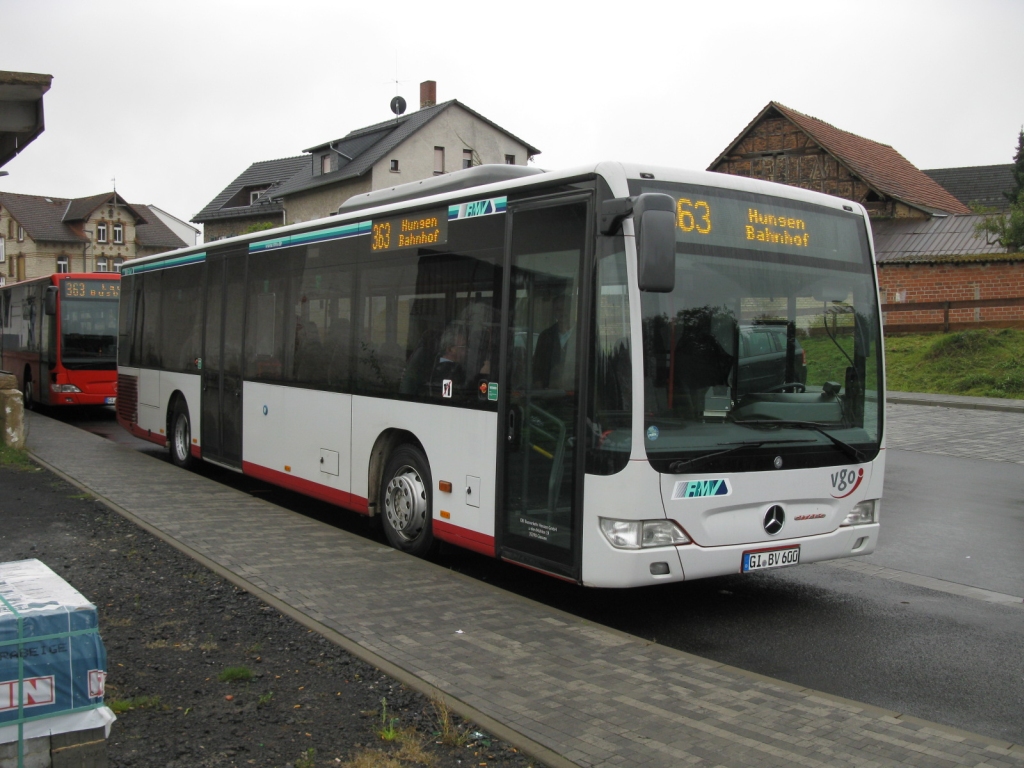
{"x":325,"y":163}
{"x":101,"y":233}
{"x":118,"y":235}
{"x":254,"y":195}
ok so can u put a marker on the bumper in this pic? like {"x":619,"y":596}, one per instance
{"x":81,"y":398}
{"x":610,"y":567}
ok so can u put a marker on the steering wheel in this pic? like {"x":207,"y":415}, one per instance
{"x":796,"y":386}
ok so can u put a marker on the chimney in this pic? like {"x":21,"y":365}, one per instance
{"x":428,"y":94}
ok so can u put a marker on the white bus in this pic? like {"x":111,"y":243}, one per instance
{"x":617,"y":375}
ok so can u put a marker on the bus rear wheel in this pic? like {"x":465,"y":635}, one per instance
{"x":406,"y":501}
{"x":26,"y":393}
{"x":181,"y":436}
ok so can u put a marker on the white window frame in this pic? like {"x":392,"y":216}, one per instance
{"x":467,"y":158}
{"x":119,"y":234}
{"x":254,"y":196}
{"x":101,"y":264}
{"x":325,"y":163}
{"x":3,"y":250}
{"x":101,"y":232}
{"x":21,"y":234}
{"x":118,"y":263}
{"x":63,"y":265}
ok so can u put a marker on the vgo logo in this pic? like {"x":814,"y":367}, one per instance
{"x":846,"y":481}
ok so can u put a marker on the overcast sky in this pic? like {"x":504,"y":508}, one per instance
{"x":175,"y":99}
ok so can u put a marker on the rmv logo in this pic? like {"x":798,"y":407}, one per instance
{"x":691,"y":489}
{"x":479,"y":208}
{"x":847,"y":480}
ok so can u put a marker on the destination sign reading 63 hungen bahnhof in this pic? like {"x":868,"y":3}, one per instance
{"x":786,"y":226}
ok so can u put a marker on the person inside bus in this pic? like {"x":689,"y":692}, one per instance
{"x":449,"y":373}
{"x":555,"y":355}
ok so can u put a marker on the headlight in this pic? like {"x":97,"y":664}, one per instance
{"x":64,"y":388}
{"x":637,"y":534}
{"x":861,"y":513}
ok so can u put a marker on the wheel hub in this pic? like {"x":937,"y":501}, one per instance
{"x":181,"y":437}
{"x":405,"y":503}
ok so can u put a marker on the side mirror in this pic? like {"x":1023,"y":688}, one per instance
{"x":50,"y":300}
{"x":654,"y":221}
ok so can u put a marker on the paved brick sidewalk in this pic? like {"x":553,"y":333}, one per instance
{"x":970,"y":434}
{"x":569,"y":691}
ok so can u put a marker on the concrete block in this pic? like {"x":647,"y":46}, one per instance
{"x":12,"y":417}
{"x":37,"y":753}
{"x":79,"y":749}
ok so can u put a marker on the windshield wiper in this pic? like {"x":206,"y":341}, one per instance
{"x":677,"y":466}
{"x":854,"y":453}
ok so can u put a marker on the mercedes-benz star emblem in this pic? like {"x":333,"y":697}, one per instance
{"x":774,"y":519}
{"x":778,"y":462}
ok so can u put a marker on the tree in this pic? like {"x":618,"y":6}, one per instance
{"x":1008,"y":229}
{"x":261,"y":227}
{"x":1017,"y":194}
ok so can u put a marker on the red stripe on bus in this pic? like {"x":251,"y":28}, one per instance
{"x":308,"y":487}
{"x":145,"y":434}
{"x":463,"y":537}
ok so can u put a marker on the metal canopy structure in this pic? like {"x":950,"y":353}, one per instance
{"x":21,"y":111}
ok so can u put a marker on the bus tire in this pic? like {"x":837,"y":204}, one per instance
{"x":26,"y":392}
{"x":180,"y":438}
{"x":405,"y":500}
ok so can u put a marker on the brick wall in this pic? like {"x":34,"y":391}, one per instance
{"x":953,"y":282}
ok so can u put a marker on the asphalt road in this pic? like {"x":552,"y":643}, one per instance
{"x":941,"y":657}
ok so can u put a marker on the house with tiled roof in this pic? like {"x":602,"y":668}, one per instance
{"x":41,"y":235}
{"x":922,"y":226}
{"x":982,"y":186}
{"x":431,"y":141}
{"x":783,"y":145}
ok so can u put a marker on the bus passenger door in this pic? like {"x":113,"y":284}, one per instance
{"x":539,"y":466}
{"x":222,"y":359}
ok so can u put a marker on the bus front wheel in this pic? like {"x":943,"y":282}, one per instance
{"x":181,"y":436}
{"x":406,"y":501}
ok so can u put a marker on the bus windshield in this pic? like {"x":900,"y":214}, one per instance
{"x":88,"y":333}
{"x":768,"y":352}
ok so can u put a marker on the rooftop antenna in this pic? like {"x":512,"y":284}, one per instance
{"x":397,"y":103}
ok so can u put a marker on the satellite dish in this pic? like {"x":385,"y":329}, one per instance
{"x":398,"y":105}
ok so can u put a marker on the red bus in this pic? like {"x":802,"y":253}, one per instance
{"x":59,"y":337}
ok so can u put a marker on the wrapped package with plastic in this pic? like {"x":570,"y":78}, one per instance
{"x":53,"y":665}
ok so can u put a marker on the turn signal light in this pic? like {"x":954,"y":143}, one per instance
{"x":444,"y":485}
